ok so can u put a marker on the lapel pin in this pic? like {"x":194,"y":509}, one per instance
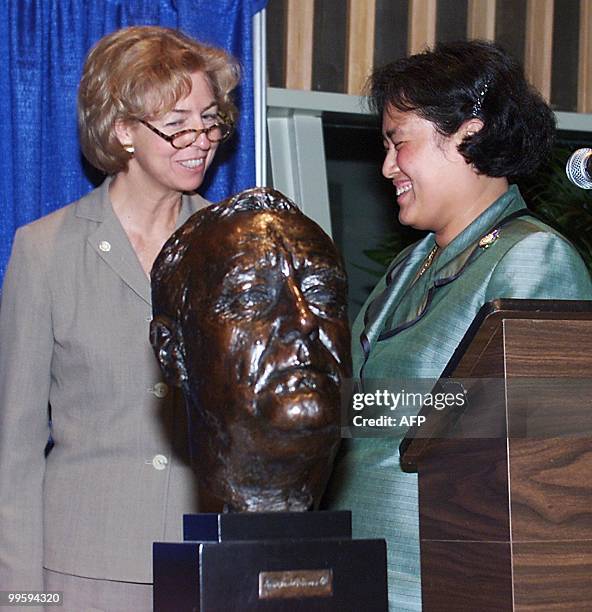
{"x":489,"y":239}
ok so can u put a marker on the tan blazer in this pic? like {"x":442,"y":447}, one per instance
{"x":74,"y":324}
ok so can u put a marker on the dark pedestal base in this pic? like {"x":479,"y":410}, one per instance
{"x":266,"y":526}
{"x":275,"y":573}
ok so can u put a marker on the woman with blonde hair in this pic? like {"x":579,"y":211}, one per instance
{"x":75,"y":361}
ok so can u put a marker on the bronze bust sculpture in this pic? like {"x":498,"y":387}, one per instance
{"x":250,"y":320}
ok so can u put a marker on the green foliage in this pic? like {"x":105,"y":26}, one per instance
{"x":386,"y":250}
{"x":561,"y":204}
{"x":548,"y":193}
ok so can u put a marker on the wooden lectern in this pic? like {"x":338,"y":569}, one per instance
{"x":505,"y":482}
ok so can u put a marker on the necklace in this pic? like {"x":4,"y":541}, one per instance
{"x":428,"y":260}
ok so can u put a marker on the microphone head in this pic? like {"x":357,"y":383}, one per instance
{"x":578,"y":168}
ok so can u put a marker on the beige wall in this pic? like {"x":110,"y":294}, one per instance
{"x":332,"y":45}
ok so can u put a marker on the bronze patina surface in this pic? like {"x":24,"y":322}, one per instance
{"x":250,"y":320}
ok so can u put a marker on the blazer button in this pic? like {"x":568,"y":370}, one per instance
{"x":104,"y":246}
{"x":159,"y":462}
{"x":161,"y":390}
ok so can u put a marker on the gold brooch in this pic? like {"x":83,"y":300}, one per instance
{"x":489,"y":239}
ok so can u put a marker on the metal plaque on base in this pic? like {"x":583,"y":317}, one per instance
{"x":237,"y":566}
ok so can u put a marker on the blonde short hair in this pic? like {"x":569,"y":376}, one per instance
{"x":141,"y":72}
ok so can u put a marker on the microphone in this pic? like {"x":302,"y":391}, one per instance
{"x":579,"y":168}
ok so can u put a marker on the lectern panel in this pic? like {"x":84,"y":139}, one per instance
{"x":466,"y":576}
{"x":546,"y":348}
{"x":551,"y":500}
{"x":532,"y":472}
{"x":547,"y":408}
{"x":462,"y":491}
{"x":556,"y":577}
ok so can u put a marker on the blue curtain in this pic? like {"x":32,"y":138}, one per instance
{"x":43,"y":44}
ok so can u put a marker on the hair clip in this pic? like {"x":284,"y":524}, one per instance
{"x":480,"y":97}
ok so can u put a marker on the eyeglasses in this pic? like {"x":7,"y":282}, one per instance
{"x":217,"y":132}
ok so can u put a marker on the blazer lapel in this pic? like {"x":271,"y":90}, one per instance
{"x":386,"y":303}
{"x":111,"y":244}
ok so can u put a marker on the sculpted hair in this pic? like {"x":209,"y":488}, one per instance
{"x":461,"y":80}
{"x":140,"y":73}
{"x":171,"y":272}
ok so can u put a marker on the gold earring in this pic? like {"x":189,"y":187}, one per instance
{"x":129,"y":148}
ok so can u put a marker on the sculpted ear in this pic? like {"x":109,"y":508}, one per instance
{"x":166,"y":340}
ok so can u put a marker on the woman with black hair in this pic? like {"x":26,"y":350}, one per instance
{"x":457,"y":123}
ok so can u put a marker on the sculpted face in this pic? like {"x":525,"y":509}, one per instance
{"x":266,"y":344}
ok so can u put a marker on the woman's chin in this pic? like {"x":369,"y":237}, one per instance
{"x":406,"y":217}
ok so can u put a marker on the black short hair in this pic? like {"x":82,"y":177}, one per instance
{"x":459,"y":80}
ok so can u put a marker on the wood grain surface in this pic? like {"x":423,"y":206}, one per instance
{"x":463,"y":491}
{"x":466,"y":577}
{"x":513,"y":510}
{"x":551,"y":489}
{"x":553,"y":577}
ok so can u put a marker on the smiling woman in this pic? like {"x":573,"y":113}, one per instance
{"x":457,"y":123}
{"x":171,"y":156}
{"x":154,"y":106}
{"x":436,"y":189}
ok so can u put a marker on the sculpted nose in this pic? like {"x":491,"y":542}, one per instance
{"x":299,"y":319}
